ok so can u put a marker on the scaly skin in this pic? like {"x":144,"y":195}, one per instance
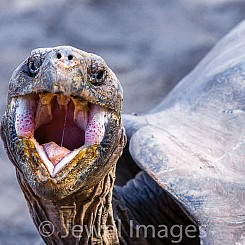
{"x":81,"y":193}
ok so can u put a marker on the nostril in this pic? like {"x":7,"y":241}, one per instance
{"x":58,"y":55}
{"x":70,"y":57}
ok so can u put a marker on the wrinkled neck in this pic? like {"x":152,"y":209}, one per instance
{"x":82,"y":218}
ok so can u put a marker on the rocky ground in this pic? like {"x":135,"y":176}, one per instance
{"x":150,"y":45}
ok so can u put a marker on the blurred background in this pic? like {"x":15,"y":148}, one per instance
{"x":149,"y":44}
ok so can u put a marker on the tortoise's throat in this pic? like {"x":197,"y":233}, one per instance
{"x":61,"y":135}
{"x":62,"y":129}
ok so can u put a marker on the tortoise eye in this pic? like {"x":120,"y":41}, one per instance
{"x":97,"y":77}
{"x":34,"y":65}
{"x":100,"y":75}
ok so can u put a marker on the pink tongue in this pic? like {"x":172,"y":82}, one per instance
{"x":95,"y":128}
{"x":54,"y":152}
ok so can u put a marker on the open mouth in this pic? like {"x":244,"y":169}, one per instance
{"x":59,"y":126}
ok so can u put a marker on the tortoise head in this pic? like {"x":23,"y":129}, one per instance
{"x":63,"y":120}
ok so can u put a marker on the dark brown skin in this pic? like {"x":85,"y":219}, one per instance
{"x":74,"y":204}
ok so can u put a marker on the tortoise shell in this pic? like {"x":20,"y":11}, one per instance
{"x":193,"y":143}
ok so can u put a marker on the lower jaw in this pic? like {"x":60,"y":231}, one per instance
{"x":80,"y":174}
{"x":40,"y":166}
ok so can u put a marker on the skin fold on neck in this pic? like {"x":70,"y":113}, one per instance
{"x":83,"y":218}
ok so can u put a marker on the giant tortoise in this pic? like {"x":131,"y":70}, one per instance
{"x":62,"y":130}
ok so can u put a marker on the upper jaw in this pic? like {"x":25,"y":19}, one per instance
{"x":69,"y":77}
{"x":60,"y":127}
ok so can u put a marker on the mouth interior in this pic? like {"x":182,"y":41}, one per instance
{"x":59,"y":126}
{"x":61,"y":129}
